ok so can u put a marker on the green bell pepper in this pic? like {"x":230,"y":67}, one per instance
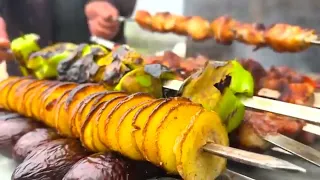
{"x":217,"y":88}
{"x":22,"y":47}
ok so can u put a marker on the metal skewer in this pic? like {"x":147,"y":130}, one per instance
{"x":314,"y":42}
{"x":249,"y":158}
{"x":231,"y":175}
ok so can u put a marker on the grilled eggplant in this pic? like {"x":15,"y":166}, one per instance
{"x":50,"y":161}
{"x":12,"y":128}
{"x":111,"y":166}
{"x":31,"y":140}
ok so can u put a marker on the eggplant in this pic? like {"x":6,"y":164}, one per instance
{"x":30,"y":141}
{"x":50,"y":161}
{"x":112,"y":166}
{"x":12,"y":128}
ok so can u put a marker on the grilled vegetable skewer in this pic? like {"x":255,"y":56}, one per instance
{"x":279,"y":37}
{"x":188,"y":123}
{"x":114,"y":165}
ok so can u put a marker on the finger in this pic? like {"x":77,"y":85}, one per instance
{"x":4,"y":43}
{"x":99,"y":31}
{"x":108,"y":24}
{"x":5,"y":55}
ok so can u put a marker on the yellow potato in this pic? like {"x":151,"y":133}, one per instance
{"x":50,"y":96}
{"x":5,"y":92}
{"x":192,"y":162}
{"x":77,"y":95}
{"x":126,"y":140}
{"x":169,"y":129}
{"x":69,"y":102}
{"x":12,"y":96}
{"x":30,"y":94}
{"x":99,"y":132}
{"x":36,"y":100}
{"x":78,"y":111}
{"x":87,"y":126}
{"x":113,"y":117}
{"x":21,"y":101}
{"x":87,"y":107}
{"x":149,"y":148}
{"x":97,"y":144}
{"x":140,"y":119}
{"x":60,"y":123}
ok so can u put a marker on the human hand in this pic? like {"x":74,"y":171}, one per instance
{"x":102,"y":17}
{"x":4,"y":42}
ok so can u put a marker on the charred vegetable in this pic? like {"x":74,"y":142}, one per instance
{"x":217,"y":86}
{"x":12,"y":128}
{"x":111,"y":166}
{"x":22,"y":48}
{"x":31,"y":140}
{"x":51,"y":160}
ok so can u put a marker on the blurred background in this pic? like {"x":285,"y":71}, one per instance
{"x":303,"y":13}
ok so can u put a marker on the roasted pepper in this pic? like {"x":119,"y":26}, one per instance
{"x":22,"y":47}
{"x":45,"y":61}
{"x":217,"y":86}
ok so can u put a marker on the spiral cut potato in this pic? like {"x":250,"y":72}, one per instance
{"x":167,"y":132}
{"x":280,"y":37}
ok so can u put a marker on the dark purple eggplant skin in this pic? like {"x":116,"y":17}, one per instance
{"x":11,"y":129}
{"x":30,"y":141}
{"x":111,"y":166}
{"x":50,"y":161}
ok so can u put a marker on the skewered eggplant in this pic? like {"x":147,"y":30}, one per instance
{"x":111,"y":166}
{"x":196,"y":128}
{"x":30,"y":141}
{"x":51,"y":160}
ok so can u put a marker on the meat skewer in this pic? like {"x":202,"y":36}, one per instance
{"x":117,"y":104}
{"x":279,"y":37}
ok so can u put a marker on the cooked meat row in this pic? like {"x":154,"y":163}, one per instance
{"x":279,"y":37}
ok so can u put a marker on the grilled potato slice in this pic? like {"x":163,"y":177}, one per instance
{"x":127,"y":143}
{"x":149,"y":149}
{"x":97,"y":144}
{"x":12,"y":94}
{"x":52,"y":94}
{"x":76,"y":96}
{"x":140,"y":119}
{"x":99,"y":132}
{"x":56,"y":111}
{"x":70,"y":101}
{"x":3,"y":84}
{"x":171,"y":127}
{"x":5,"y":91}
{"x":115,"y":114}
{"x":21,"y":101}
{"x":192,"y":162}
{"x":49,"y":98}
{"x":87,"y":107}
{"x":77,"y":112}
{"x":30,"y":94}
{"x":86,"y":128}
{"x":36,"y":101}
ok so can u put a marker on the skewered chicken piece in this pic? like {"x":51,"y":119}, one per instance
{"x":279,"y":37}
